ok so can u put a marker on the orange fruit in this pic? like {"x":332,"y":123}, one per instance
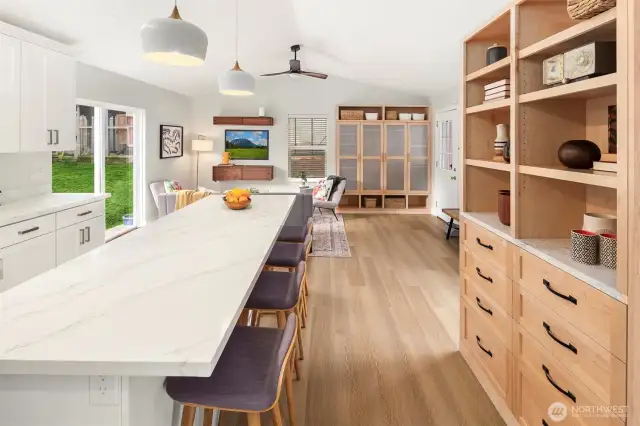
{"x":243,"y":198}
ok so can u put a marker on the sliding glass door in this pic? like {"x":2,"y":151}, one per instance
{"x":107,"y":159}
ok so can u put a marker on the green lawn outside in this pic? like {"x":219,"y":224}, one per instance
{"x":249,"y":153}
{"x":71,"y":176}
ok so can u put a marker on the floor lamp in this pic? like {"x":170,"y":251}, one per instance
{"x":200,"y":145}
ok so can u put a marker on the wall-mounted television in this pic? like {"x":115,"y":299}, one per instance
{"x":247,"y":144}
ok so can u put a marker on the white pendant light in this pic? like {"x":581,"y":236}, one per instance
{"x":236,"y":82}
{"x":173,"y":41}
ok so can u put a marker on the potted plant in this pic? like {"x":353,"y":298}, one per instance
{"x":303,"y":177}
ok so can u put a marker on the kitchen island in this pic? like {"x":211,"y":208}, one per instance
{"x":90,"y":342}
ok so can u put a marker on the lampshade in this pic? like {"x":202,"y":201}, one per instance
{"x":236,"y":82}
{"x":201,"y":145}
{"x":173,"y":41}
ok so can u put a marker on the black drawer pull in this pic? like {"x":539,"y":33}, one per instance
{"x":85,"y":213}
{"x":560,"y":295}
{"x":479,"y":302}
{"x":27,"y":231}
{"x":566,"y":393}
{"x":486,"y":351}
{"x":487,"y":246}
{"x":560,"y":342}
{"x":544,"y":423}
{"x":479,"y":272}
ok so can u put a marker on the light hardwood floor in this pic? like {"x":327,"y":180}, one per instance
{"x":382,"y":337}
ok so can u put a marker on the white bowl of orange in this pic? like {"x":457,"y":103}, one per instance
{"x":237,"y":199}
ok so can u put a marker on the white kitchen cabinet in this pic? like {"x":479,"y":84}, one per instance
{"x":80,"y":238}
{"x":20,"y":262}
{"x":10,"y":68}
{"x":47,"y":100}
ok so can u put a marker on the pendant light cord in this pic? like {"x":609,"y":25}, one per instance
{"x":237,"y":25}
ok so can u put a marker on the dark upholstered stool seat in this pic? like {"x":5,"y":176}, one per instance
{"x":288,"y":254}
{"x":294,"y":233}
{"x":277,"y":290}
{"x":246,"y":376}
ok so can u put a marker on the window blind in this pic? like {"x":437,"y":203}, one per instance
{"x":308,"y":146}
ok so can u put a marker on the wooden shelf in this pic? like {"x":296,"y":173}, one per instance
{"x":243,"y":121}
{"x":386,"y":121}
{"x":495,"y":165}
{"x":588,"y":177}
{"x":489,"y":106}
{"x":494,"y":71}
{"x":599,"y":28}
{"x":591,"y":88}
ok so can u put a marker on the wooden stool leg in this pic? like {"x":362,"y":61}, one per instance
{"x":303,"y":317}
{"x":300,"y":348}
{"x":296,"y":365}
{"x":450,"y":227}
{"x":282,"y":319}
{"x":254,"y":419}
{"x":277,"y":417}
{"x":288,"y":383}
{"x":244,"y":317}
{"x":258,"y":318}
{"x":188,"y":415}
{"x":207,"y":420}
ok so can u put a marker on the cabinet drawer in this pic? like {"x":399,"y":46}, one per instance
{"x":25,"y":260}
{"x":23,"y":231}
{"x":491,"y":281}
{"x":485,"y":307}
{"x":79,"y":214}
{"x":544,"y":372}
{"x":80,"y":238}
{"x":487,"y":348}
{"x":599,"y":316}
{"x":487,"y":246}
{"x":602,"y":373}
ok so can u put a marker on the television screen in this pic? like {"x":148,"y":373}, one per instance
{"x":247,"y":144}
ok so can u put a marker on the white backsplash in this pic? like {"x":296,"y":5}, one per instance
{"x":24,"y":175}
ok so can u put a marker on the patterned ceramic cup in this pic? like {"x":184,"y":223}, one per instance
{"x":609,"y":250}
{"x":584,"y":246}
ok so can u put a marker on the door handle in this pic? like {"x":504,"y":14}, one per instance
{"x":88,"y":234}
{"x":567,"y":345}
{"x":82,"y":236}
{"x":566,"y":393}
{"x":485,"y":350}
{"x":454,"y":178}
{"x":479,"y":303}
{"x":487,"y":246}
{"x":57,"y":133}
{"x":50,"y":141}
{"x":479,"y":272}
{"x":568,"y":298}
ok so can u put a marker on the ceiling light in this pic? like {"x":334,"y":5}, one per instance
{"x":236,"y":82}
{"x":173,"y":41}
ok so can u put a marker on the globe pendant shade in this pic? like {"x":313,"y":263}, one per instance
{"x":236,"y":82}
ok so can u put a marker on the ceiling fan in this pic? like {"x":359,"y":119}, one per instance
{"x":294,"y":67}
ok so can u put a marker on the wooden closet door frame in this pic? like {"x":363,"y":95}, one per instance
{"x":371,"y":157}
{"x":427,"y":158}
{"x":386,"y":157}
{"x":339,"y":157}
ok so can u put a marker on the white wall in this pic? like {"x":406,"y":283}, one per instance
{"x":161,"y":107}
{"x":282,"y":96}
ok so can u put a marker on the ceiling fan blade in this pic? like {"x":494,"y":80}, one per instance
{"x":275,"y":73}
{"x":314,"y":74}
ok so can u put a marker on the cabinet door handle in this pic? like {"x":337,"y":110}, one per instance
{"x":88,"y":234}
{"x":50,"y":140}
{"x":479,"y":272}
{"x":85,"y":213}
{"x":480,"y":243}
{"x":569,"y":346}
{"x":57,"y":133}
{"x":486,"y":351}
{"x":27,"y":231}
{"x":82,"y":236}
{"x":570,"y":298}
{"x":566,"y":393}
{"x":487,"y":310}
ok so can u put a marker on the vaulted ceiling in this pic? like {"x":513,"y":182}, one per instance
{"x":410,"y":45}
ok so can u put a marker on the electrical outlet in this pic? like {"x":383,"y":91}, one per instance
{"x":436,"y":204}
{"x":104,"y":390}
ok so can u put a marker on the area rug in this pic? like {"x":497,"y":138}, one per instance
{"x":329,"y":236}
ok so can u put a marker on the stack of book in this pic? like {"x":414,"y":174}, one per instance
{"x":497,"y":90}
{"x":608,"y":163}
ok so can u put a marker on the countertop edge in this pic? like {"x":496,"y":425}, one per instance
{"x":592,"y":282}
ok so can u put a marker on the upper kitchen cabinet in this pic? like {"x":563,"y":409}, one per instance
{"x":9,"y":93}
{"x":37,"y":93}
{"x":48,"y":100}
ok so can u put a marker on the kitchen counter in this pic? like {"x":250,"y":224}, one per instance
{"x":160,"y":301}
{"x":28,"y":208}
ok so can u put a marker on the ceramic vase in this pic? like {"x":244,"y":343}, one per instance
{"x":609,"y":250}
{"x":599,"y":223}
{"x":504,"y":206}
{"x":579,"y":154}
{"x":584,"y":246}
{"x":226,"y":156}
{"x":502,"y":138}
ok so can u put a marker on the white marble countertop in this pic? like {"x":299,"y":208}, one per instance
{"x":28,"y":208}
{"x":160,"y":301}
{"x":557,"y":252}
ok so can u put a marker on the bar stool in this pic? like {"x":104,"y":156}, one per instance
{"x":295,"y":233}
{"x":280,"y":293}
{"x":247,"y":378}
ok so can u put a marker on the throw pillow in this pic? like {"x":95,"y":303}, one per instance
{"x":172,"y":186}
{"x":322,"y":190}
